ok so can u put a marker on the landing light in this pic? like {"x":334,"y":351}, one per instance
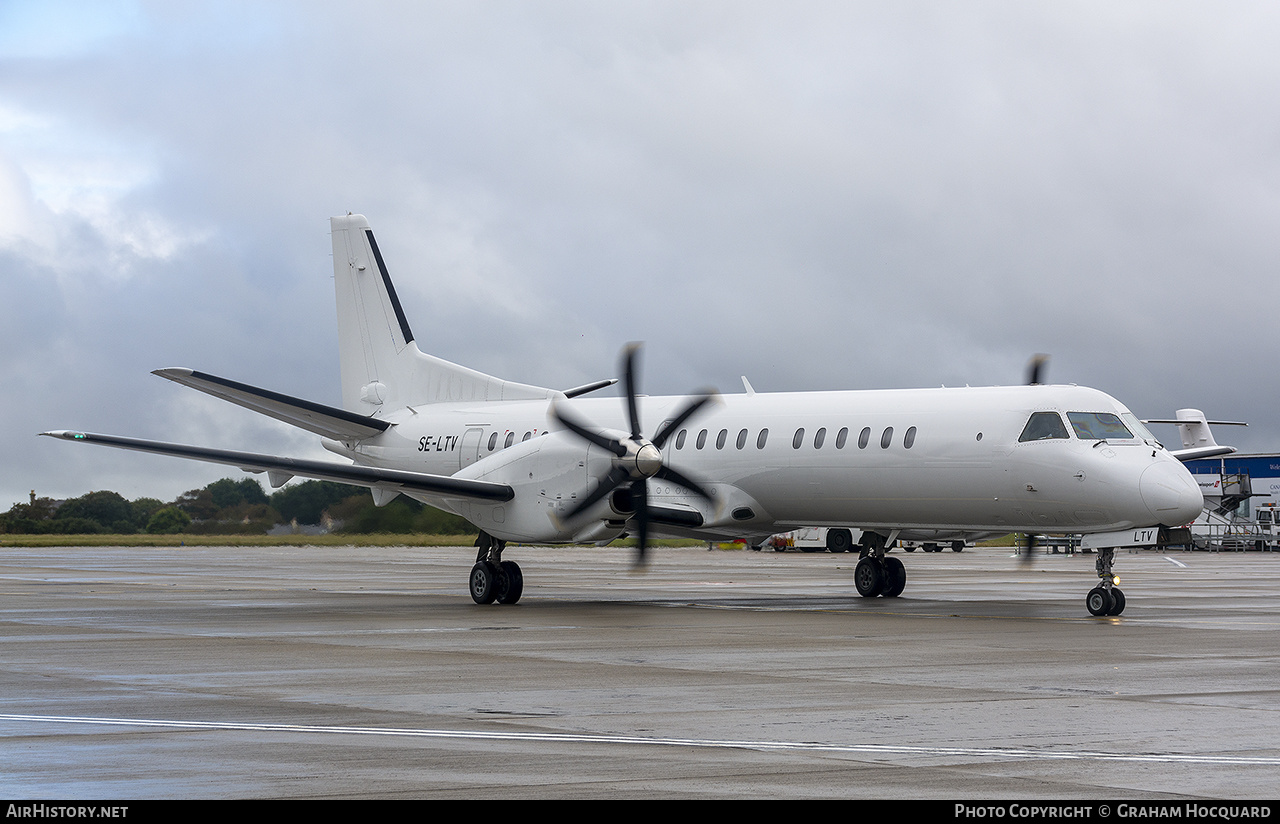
{"x":1115,"y":580}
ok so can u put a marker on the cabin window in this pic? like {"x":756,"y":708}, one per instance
{"x":511,"y":438}
{"x":886,"y":438}
{"x":819,"y":437}
{"x":702,"y":439}
{"x":1043,"y":426}
{"x":864,"y":437}
{"x":526,"y":437}
{"x":841,"y":437}
{"x":680,"y":438}
{"x":909,"y":439}
{"x":721,"y":438}
{"x":1098,"y":426}
{"x":798,"y":439}
{"x":742,"y":439}
{"x":761,"y":438}
{"x":493,"y":441}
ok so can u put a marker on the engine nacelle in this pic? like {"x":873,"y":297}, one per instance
{"x":552,"y":473}
{"x":549,"y":474}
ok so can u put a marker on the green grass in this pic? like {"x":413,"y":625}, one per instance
{"x":332,"y":539}
{"x":375,"y":539}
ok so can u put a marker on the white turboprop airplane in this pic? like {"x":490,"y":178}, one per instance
{"x":535,"y":465}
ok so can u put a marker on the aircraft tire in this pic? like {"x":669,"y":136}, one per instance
{"x":1118,"y":597}
{"x":484,"y":582}
{"x":895,"y":578}
{"x":868,"y":577}
{"x":510,"y":585}
{"x":1099,"y":601}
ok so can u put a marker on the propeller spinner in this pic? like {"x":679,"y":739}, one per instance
{"x":636,"y":458}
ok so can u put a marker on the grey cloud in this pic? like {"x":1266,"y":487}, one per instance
{"x":817,"y":195}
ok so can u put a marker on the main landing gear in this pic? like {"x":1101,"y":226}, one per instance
{"x":875,"y":573}
{"x":493,"y":579}
{"x":1106,"y":598}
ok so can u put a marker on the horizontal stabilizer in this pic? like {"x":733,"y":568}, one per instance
{"x":369,"y":476}
{"x":326,"y":421}
{"x":1201,"y":452}
{"x":578,"y":391}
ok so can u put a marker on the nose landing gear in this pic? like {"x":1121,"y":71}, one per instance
{"x":1106,"y":598}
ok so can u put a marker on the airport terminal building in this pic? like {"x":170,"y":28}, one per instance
{"x":1243,"y":492}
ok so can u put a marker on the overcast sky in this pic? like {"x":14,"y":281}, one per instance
{"x":816,"y":195}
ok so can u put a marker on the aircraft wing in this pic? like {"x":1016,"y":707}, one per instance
{"x":281,"y":469}
{"x":326,"y":421}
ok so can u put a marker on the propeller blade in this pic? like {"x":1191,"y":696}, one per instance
{"x":642,"y":460}
{"x":640,"y":500}
{"x":629,"y":376}
{"x":582,"y":431}
{"x":609,"y":483}
{"x":1035,"y":368}
{"x":690,"y":409}
{"x":669,"y":474}
{"x":1029,"y":558}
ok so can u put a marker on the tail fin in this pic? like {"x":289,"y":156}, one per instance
{"x":1193,"y":426}
{"x":1197,"y":439}
{"x":382,"y":368}
{"x":1194,"y":429}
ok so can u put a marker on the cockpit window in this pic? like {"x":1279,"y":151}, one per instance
{"x":1043,"y":426}
{"x":1098,"y":426}
{"x":1136,"y":426}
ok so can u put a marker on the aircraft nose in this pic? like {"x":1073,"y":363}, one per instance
{"x":1170,"y":493}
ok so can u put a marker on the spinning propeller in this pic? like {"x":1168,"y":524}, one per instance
{"x":1035,"y":370}
{"x":636,"y":458}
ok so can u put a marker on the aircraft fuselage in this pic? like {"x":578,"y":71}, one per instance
{"x":927,"y":459}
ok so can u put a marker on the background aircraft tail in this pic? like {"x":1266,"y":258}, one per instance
{"x":382,"y":368}
{"x":1197,"y":439}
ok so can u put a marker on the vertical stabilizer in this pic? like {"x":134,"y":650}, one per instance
{"x":1193,"y":427}
{"x":382,"y":368}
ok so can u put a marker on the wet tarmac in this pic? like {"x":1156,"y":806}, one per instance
{"x":339,"y":672}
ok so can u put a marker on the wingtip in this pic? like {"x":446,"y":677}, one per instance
{"x":66,"y":434}
{"x":173,"y":372}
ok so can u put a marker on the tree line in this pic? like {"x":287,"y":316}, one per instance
{"x":230,"y":507}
